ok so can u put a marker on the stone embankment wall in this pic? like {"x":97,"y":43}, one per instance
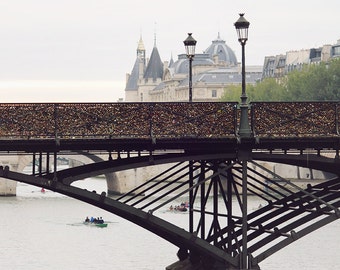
{"x":15,"y":163}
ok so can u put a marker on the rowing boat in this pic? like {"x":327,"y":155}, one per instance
{"x":101,"y":225}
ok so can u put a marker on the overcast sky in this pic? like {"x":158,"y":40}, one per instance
{"x":81,"y":50}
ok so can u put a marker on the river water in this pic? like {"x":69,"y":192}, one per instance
{"x":45,"y":231}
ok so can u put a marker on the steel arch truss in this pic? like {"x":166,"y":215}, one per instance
{"x":287,"y":214}
{"x":221,"y":230}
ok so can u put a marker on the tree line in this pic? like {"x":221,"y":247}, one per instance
{"x":315,"y":82}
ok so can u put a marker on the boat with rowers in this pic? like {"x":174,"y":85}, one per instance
{"x":98,"y":222}
{"x":183,"y":207}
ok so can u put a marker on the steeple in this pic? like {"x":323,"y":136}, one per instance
{"x":138,"y":68}
{"x":171,"y":62}
{"x":154,"y":37}
{"x":141,"y":50}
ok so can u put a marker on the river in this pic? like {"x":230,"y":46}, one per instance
{"x":45,"y":231}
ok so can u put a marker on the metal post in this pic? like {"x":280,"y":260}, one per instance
{"x":57,"y":142}
{"x":55,"y":161}
{"x":244,"y":257}
{"x":215,"y":204}
{"x":40,"y":163}
{"x":229,"y":209}
{"x":47,"y":162}
{"x":190,"y":78}
{"x":202,"y":187}
{"x":191,"y":183}
{"x":33,"y":164}
{"x":244,"y":129}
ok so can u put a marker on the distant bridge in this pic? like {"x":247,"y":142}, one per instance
{"x":209,"y":160}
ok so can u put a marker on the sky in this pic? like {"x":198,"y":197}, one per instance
{"x":81,"y":50}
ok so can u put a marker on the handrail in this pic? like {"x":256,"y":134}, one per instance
{"x":167,"y":120}
{"x":295,"y":119}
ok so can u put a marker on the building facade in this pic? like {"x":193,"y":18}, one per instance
{"x":280,"y":65}
{"x":213,"y":70}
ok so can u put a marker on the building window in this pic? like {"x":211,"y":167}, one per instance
{"x":336,"y":50}
{"x":213,"y":93}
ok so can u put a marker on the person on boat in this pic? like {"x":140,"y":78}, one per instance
{"x":92,"y":220}
{"x":87,"y":219}
{"x":181,"y":208}
{"x":100,"y":220}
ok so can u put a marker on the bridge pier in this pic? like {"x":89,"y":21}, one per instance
{"x":16,"y":163}
{"x":8,"y":187}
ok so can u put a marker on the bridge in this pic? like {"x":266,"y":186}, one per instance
{"x":210,"y":162}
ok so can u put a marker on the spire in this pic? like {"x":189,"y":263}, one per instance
{"x":141,"y":50}
{"x":154,"y":41}
{"x":171,"y":62}
{"x":140,"y":46}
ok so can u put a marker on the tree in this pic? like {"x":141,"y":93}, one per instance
{"x":315,"y":82}
{"x":267,"y":90}
{"x":332,"y":89}
{"x":232,"y":93}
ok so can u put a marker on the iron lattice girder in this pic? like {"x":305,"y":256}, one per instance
{"x":229,"y":237}
{"x":318,"y":204}
{"x":94,"y":169}
{"x":162,"y":228}
{"x":312,"y":160}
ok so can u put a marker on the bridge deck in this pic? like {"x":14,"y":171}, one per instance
{"x":148,"y":126}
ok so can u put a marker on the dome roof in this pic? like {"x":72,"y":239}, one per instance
{"x":182,"y":64}
{"x":222,"y":50}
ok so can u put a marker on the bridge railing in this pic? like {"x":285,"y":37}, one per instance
{"x":27,"y":120}
{"x":194,"y":119}
{"x":102,"y":120}
{"x":166,"y":120}
{"x":117,"y":120}
{"x":295,"y":119}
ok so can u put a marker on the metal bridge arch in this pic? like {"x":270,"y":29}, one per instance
{"x":164,"y":229}
{"x":321,"y":200}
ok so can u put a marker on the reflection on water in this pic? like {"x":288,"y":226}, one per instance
{"x":45,"y":231}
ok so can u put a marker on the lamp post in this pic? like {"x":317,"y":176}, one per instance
{"x":242,"y":26}
{"x":190,"y":44}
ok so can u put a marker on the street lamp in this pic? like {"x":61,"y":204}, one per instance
{"x":190,"y":44}
{"x":242,"y":26}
